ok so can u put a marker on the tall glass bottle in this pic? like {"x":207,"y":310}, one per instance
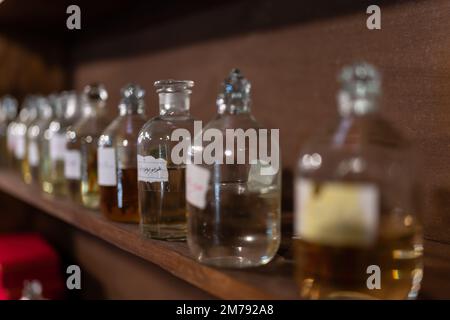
{"x":17,"y":131}
{"x":357,"y":203}
{"x":117,"y":158}
{"x":161,"y":185}
{"x":35,"y":133}
{"x":82,"y":140}
{"x":8,"y":112}
{"x":66,"y":113}
{"x":233,"y":206}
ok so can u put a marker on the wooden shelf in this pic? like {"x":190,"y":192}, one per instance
{"x":269,"y":282}
{"x":273,"y":281}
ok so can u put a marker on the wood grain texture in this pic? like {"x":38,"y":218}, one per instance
{"x":273,"y":281}
{"x":293,"y":71}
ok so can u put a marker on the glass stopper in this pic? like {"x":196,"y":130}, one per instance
{"x":96,"y":92}
{"x":235,"y":93}
{"x":172,"y":86}
{"x":132,"y":92}
{"x":360,"y":87}
{"x":361,"y":80}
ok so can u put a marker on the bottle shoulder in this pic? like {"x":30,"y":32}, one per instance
{"x":161,"y":128}
{"x":234,"y":121}
{"x":126,"y":127}
{"x":356,"y":147}
{"x":91,"y":125}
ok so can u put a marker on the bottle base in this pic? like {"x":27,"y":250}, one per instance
{"x":233,"y":262}
{"x":167,"y":233}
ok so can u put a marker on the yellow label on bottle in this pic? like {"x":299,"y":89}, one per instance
{"x":335,"y":213}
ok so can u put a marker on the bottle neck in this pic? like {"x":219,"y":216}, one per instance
{"x":125,"y":109}
{"x":92,"y":109}
{"x":354,"y":106}
{"x":234,"y":109}
{"x":174,"y":104}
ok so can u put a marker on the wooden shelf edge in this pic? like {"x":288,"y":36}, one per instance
{"x":171,"y":256}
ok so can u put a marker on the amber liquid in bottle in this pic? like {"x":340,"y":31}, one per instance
{"x":358,"y":235}
{"x":334,"y":272}
{"x":82,"y":140}
{"x":169,"y":198}
{"x":73,"y":187}
{"x":120,"y":203}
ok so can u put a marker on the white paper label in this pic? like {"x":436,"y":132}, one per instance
{"x":19,"y":147}
{"x":72,"y":164}
{"x":197,"y":180}
{"x":336,"y":213}
{"x":151,"y":169}
{"x":106,"y":166}
{"x":57,"y":146}
{"x":33,"y":154}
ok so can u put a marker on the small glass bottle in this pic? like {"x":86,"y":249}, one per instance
{"x":117,"y":158}
{"x":17,"y":131}
{"x":80,"y":163}
{"x":8,"y":112}
{"x":35,"y":133}
{"x":66,"y":113}
{"x":161,"y":185}
{"x":357,"y":203}
{"x":234,"y":209}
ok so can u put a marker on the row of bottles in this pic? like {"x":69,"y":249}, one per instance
{"x":356,"y":192}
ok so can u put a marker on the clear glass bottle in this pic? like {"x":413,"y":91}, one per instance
{"x":357,"y":203}
{"x":80,"y":161}
{"x":162,"y":204}
{"x":35,"y":133}
{"x":234,"y":209}
{"x":8,"y":112}
{"x":117,"y":158}
{"x":17,"y":131}
{"x":66,"y":113}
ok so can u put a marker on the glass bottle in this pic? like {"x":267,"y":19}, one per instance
{"x":35,"y":133}
{"x":233,"y":207}
{"x":82,"y":139}
{"x":117,"y":158}
{"x":161,"y":185}
{"x":8,"y":112}
{"x":357,"y":203}
{"x":66,"y":113}
{"x":17,"y":131}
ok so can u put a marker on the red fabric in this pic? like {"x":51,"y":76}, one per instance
{"x":28,"y":257}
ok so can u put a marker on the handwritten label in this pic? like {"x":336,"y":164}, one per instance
{"x":107,"y":175}
{"x":57,"y":146}
{"x":151,"y":169}
{"x":72,"y":164}
{"x":197,"y":180}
